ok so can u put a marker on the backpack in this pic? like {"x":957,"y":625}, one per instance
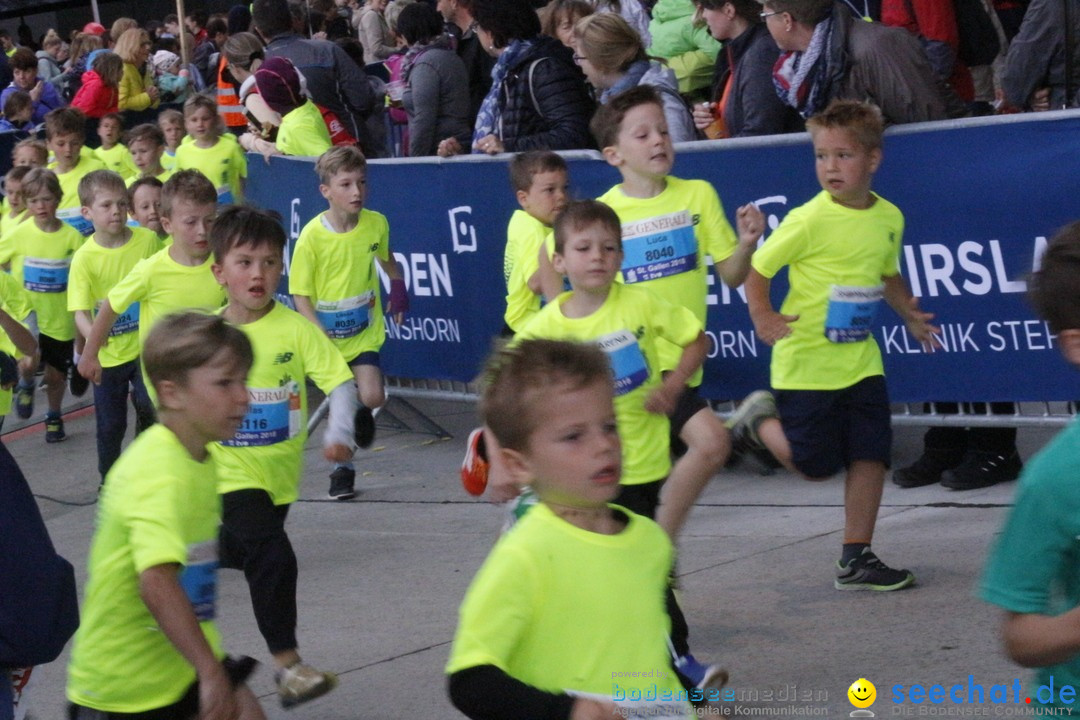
{"x":979,"y":43}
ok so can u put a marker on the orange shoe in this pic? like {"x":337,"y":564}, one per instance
{"x":474,"y":468}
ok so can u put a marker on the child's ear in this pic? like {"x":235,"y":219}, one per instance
{"x":522,"y":196}
{"x":1069,"y":341}
{"x":168,"y":393}
{"x":517,"y":465}
{"x":611,"y":154}
{"x":166,"y":224}
{"x":218,"y":270}
{"x":558,"y":263}
{"x":875,"y":159}
{"x":85,"y":211}
{"x":324,"y":190}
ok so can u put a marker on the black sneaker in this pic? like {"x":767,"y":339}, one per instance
{"x":364,"y":427}
{"x":928,"y":468}
{"x":982,"y":469}
{"x":342,"y":482}
{"x":77,"y":384}
{"x":54,"y":429}
{"x":867,"y":572}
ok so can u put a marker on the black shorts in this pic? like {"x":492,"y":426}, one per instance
{"x":642,"y":498}
{"x":829,"y":429}
{"x":365,"y":358}
{"x":56,"y":354}
{"x":688,"y":405}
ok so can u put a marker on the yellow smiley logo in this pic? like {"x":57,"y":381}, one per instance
{"x":862,"y":693}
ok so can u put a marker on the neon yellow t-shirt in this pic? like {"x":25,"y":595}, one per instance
{"x":267,"y":452}
{"x":665,"y":241}
{"x":165,"y":175}
{"x":168,"y":160}
{"x":337,"y":272}
{"x":158,"y":506}
{"x":41,"y":262}
{"x":837,"y":257}
{"x":558,"y":607}
{"x":9,"y":223}
{"x":70,"y":208}
{"x":95,"y":270}
{"x":118,"y":159}
{"x":224,"y":163}
{"x":161,"y":286}
{"x":628,"y":327}
{"x":303,"y":132}
{"x":524,"y":238}
{"x":15,"y":302}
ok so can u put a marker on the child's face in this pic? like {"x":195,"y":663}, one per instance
{"x":13,"y":188}
{"x":200,"y":123}
{"x":109,"y":131}
{"x":108,"y":211}
{"x":146,"y":208}
{"x":643,"y":146}
{"x":42,"y":206}
{"x":590,"y":258}
{"x":213,"y":397}
{"x":174,"y":132}
{"x":573,"y":456}
{"x":250,"y":275}
{"x":146,"y":155}
{"x":25,"y":79}
{"x":66,"y":147}
{"x":27,"y":156}
{"x":189,"y":223}
{"x":844,"y":167}
{"x":22,"y":117}
{"x":347,"y":191}
{"x":546,"y":197}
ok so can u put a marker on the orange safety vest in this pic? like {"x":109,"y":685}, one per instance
{"x":229,"y":106}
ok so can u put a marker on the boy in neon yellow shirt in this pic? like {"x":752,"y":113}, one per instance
{"x":219,"y":157}
{"x":13,"y":208}
{"x":144,"y":202}
{"x":175,"y":278}
{"x":335,"y":285}
{"x":577,"y":586}
{"x":171,"y":123}
{"x":65,"y":133}
{"x":146,"y":144}
{"x":30,"y":152}
{"x":540,"y":183}
{"x":831,"y":410}
{"x":113,"y":153}
{"x":103,"y":261}
{"x":16,"y":340}
{"x":40,"y":254}
{"x":147,"y":642}
{"x":260,"y":466}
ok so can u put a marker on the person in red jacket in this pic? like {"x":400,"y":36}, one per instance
{"x":100,"y":91}
{"x":934,"y":22}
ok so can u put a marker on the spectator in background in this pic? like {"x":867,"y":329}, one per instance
{"x":743,"y":101}
{"x":170,"y":25}
{"x":84,"y":43}
{"x":137,"y":88}
{"x":934,"y":23}
{"x":244,"y":54}
{"x":1038,"y":74}
{"x":195,"y":22}
{"x":538,"y":99}
{"x":633,"y":12}
{"x":374,"y":33}
{"x":171,"y":83}
{"x":613,"y":59}
{"x":334,"y":81}
{"x":24,"y":71}
{"x":18,"y":108}
{"x":560,"y":17}
{"x":436,"y":95}
{"x":205,"y":57}
{"x":99,"y":93}
{"x":303,"y":130}
{"x":50,"y":57}
{"x":238,"y":19}
{"x":685,"y":44}
{"x":478,"y":63}
{"x":851,"y":58}
{"x":119,"y":27}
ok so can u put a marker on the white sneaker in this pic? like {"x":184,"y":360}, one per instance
{"x":299,"y":683}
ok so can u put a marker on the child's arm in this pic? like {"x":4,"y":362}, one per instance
{"x":906,"y":306}
{"x":22,"y":338}
{"x":485,"y":691}
{"x":770,"y":325}
{"x":1035,"y":640}
{"x":750,"y":224}
{"x":305,"y":307}
{"x":161,"y":591}
{"x":399,"y":298}
{"x":89,"y":365}
{"x":662,"y":400}
{"x":550,"y":281}
{"x":83,"y":322}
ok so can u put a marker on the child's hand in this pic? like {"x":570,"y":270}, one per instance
{"x":772,"y":326}
{"x":919,"y":327}
{"x":337,"y":452}
{"x":37,"y":90}
{"x":216,"y":700}
{"x":90,"y":368}
{"x":399,"y":300}
{"x":663,"y":399}
{"x":489,"y":144}
{"x":703,"y":115}
{"x":449,"y":147}
{"x":750,"y":222}
{"x":589,"y":709}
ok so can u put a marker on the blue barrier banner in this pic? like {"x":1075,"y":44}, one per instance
{"x":980,"y":201}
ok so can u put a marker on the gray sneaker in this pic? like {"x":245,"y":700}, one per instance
{"x":867,"y":572}
{"x":299,"y":683}
{"x":744,"y":422}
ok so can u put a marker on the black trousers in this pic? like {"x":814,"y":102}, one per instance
{"x":999,"y":441}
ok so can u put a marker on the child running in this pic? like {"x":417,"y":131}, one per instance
{"x":260,"y":466}
{"x":146,"y":143}
{"x":65,"y":133}
{"x":16,"y":341}
{"x":147,"y":645}
{"x":144,"y":204}
{"x":334,"y":283}
{"x":829,"y":409}
{"x":577,"y":587}
{"x":113,"y":153}
{"x":171,"y":123}
{"x":218,"y":157}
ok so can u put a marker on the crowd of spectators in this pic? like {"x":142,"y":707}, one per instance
{"x":457,"y":76}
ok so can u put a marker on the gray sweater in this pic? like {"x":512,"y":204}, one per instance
{"x":436,"y":100}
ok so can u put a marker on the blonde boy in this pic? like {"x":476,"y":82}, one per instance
{"x":144,"y":198}
{"x":218,"y":156}
{"x":335,"y":284}
{"x":65,"y":133}
{"x":831,"y":406}
{"x":30,"y":152}
{"x":171,"y":123}
{"x":113,"y":153}
{"x":146,"y":143}
{"x":103,"y":261}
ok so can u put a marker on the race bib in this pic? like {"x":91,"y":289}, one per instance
{"x":659,"y":247}
{"x":45,"y":275}
{"x":73,"y":217}
{"x":199,"y":578}
{"x":127,"y":322}
{"x":225,"y":196}
{"x":273,"y":416}
{"x":851,"y":312}
{"x":346,"y":318}
{"x":628,"y":364}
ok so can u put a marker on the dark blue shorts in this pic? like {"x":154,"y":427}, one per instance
{"x":829,"y":429}
{"x":365,"y":358}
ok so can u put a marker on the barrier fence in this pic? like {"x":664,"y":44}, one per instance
{"x":981,"y":198}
